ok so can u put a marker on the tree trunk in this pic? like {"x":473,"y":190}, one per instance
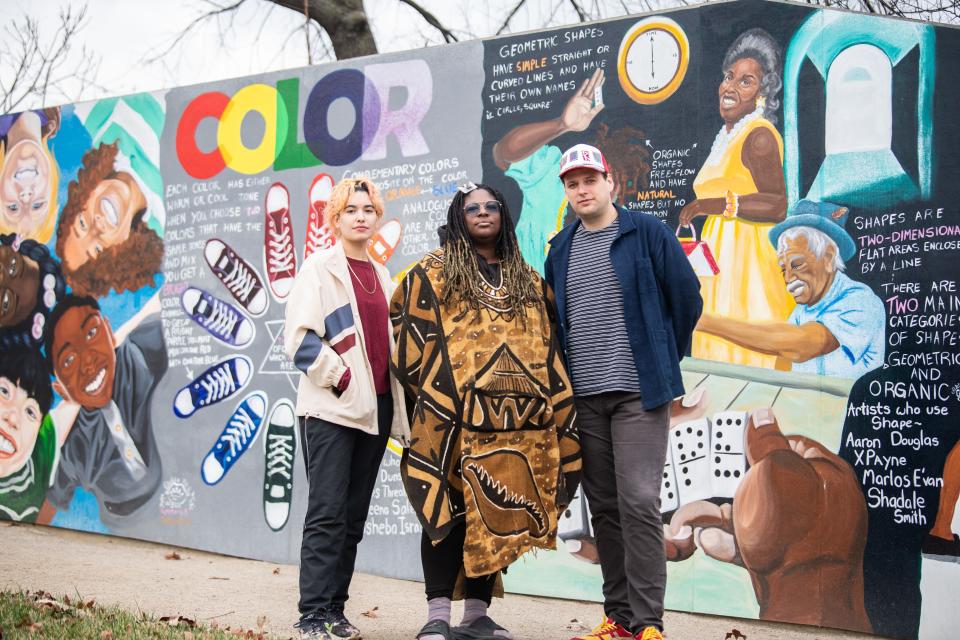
{"x":344,"y":21}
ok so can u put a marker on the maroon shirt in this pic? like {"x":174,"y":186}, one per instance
{"x":374,"y":314}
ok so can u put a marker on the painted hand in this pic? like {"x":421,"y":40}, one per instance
{"x":689,"y":212}
{"x":580,"y":111}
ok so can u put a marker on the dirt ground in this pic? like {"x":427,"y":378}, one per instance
{"x":142,"y":576}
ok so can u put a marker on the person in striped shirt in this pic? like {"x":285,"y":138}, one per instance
{"x":628,"y":301}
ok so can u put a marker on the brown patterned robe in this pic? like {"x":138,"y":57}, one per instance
{"x":493,"y":439}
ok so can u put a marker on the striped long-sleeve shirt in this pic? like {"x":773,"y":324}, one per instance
{"x":598,"y":350}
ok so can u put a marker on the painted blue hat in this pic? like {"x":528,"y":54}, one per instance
{"x":822,"y":216}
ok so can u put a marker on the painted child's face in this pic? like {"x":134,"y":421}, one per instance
{"x":105,"y":221}
{"x":84,"y":359}
{"x":20,"y":419}
{"x":25,"y":188}
{"x":19,"y":281}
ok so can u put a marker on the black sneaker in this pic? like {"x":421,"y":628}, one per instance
{"x":338,"y":627}
{"x":937,"y":548}
{"x":313,"y":627}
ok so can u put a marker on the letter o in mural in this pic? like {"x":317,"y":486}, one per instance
{"x":261,"y":99}
{"x":354,"y":86}
{"x":199,"y":164}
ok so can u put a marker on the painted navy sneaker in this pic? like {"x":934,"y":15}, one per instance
{"x":279,"y":255}
{"x":319,"y":235}
{"x":241,"y":431}
{"x":237,"y":275}
{"x":221,"y":319}
{"x":280,"y":447}
{"x":217,"y":383}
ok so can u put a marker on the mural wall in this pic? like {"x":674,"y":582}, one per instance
{"x":805,"y":159}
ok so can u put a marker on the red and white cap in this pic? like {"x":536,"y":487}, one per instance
{"x":583,"y":156}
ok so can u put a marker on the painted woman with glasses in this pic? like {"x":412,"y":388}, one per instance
{"x":495,"y":455}
{"x":337,"y":332}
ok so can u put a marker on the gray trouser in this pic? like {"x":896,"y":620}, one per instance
{"x":623,"y":450}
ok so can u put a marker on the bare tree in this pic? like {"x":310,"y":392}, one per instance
{"x":36,"y":67}
{"x":342,"y":28}
{"x":946,"y":11}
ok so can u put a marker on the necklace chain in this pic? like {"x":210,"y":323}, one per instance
{"x":360,"y":282}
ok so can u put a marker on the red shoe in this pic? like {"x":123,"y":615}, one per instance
{"x":279,"y":255}
{"x":606,"y":630}
{"x":650,"y":633}
{"x":319,"y":235}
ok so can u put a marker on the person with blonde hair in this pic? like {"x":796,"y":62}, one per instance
{"x":29,"y":174}
{"x":338,"y":334}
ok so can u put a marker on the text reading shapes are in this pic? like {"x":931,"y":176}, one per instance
{"x":368,"y":93}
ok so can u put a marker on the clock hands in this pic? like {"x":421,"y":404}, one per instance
{"x":653,"y":73}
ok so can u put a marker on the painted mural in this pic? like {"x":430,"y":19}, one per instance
{"x":803,"y":157}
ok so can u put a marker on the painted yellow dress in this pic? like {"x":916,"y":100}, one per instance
{"x":749,"y":285}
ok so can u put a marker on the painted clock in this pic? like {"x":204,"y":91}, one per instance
{"x":653,"y":59}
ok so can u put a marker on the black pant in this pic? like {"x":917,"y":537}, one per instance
{"x":624,"y":448}
{"x":442,"y":564}
{"x":342,"y":465}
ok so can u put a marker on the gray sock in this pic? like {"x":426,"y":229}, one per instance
{"x":437,"y":609}
{"x":473,"y":609}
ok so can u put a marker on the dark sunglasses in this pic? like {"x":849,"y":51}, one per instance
{"x":490,"y":206}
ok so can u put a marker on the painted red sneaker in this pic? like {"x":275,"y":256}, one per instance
{"x":319,"y":235}
{"x":279,"y":255}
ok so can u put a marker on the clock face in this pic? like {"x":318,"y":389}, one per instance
{"x":653,"y":59}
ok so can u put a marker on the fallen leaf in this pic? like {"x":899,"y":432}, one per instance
{"x":173,"y":555}
{"x":106,"y":635}
{"x":735,"y":634}
{"x":176,"y":621}
{"x":276,"y":571}
{"x":372,"y":613}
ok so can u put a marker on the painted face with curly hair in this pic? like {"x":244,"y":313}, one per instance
{"x":104,"y":221}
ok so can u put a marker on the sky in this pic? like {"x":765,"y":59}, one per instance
{"x":128,"y":36}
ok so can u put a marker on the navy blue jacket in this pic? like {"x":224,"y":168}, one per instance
{"x":661,"y":299}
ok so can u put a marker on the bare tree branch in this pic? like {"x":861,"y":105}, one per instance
{"x":431,"y":20}
{"x":579,"y":10}
{"x":196,"y":22}
{"x":37,"y":69}
{"x":510,"y":15}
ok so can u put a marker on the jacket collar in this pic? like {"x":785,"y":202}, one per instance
{"x":564,"y":237}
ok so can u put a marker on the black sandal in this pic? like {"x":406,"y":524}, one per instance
{"x":482,"y":628}
{"x":437,"y":627}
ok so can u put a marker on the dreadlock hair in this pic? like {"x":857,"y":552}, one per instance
{"x":461,"y":273}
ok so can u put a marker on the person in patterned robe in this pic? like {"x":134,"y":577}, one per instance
{"x":494,"y":455}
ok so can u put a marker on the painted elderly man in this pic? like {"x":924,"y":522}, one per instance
{"x":837,"y":327}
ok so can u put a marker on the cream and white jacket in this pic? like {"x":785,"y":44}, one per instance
{"x":323,"y":336}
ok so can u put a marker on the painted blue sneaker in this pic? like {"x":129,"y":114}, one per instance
{"x":280,"y":447}
{"x":241,"y":431}
{"x":217,"y":383}
{"x":221,"y":319}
